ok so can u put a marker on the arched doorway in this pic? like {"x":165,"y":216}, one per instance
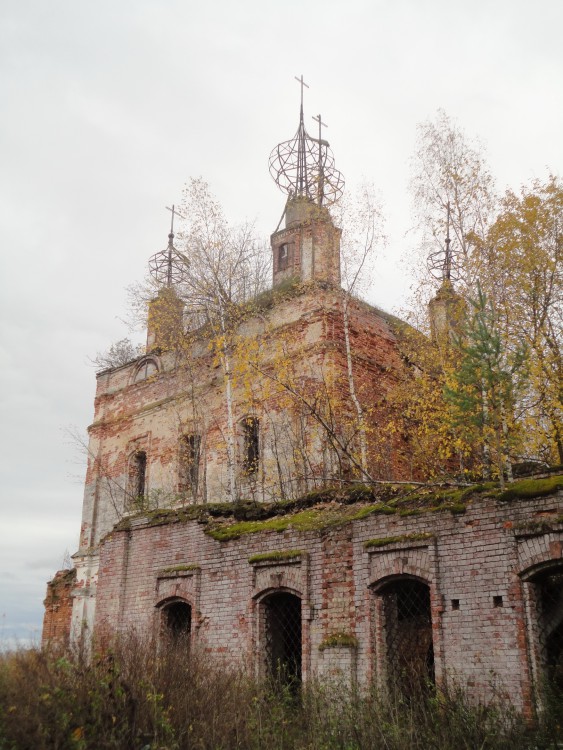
{"x":176,"y":621}
{"x":406,"y":637}
{"x":281,"y":633}
{"x":548,"y":625}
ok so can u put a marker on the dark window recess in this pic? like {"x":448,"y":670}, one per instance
{"x":137,"y":475}
{"x":190,"y":448}
{"x":548,"y":597}
{"x":408,"y":636}
{"x":283,"y":257}
{"x":282,"y":633}
{"x":251,"y":444}
{"x":497,"y":601}
{"x":177,"y":620}
{"x":455,"y":603}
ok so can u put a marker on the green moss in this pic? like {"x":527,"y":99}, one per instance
{"x":384,"y":541}
{"x":312,"y":519}
{"x":288,"y":554}
{"x":530,"y":488}
{"x":180,"y":568}
{"x":377,"y":509}
{"x":337,"y":640}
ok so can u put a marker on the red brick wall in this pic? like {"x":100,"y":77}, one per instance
{"x":470,"y":558}
{"x":58,"y":609}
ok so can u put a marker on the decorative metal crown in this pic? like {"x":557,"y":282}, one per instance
{"x":441,"y":262}
{"x":304,"y":166}
{"x":169,"y":267}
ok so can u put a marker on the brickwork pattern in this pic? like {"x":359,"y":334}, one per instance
{"x":474,"y":565}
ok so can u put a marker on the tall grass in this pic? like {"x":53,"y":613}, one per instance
{"x":142,"y":697}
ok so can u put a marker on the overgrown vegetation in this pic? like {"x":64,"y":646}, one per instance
{"x":337,"y":506}
{"x":137,"y":696}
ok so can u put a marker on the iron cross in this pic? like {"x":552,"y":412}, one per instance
{"x":321,"y":123}
{"x":173,"y":211}
{"x":302,"y":82}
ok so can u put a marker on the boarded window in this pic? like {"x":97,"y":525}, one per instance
{"x":251,"y":444}
{"x":137,"y":476}
{"x":407,"y":624}
{"x":190,"y":449}
{"x":282,"y":637}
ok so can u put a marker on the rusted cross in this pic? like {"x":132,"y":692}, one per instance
{"x":321,"y":124}
{"x":302,"y":82}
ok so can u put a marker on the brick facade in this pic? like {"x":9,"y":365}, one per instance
{"x":455,"y":597}
{"x":478,"y":566}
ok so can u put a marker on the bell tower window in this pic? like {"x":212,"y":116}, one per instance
{"x":283,"y":256}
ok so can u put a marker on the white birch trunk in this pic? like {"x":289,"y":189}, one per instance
{"x":352,"y":387}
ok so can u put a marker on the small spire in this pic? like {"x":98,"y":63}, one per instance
{"x":169,"y":267}
{"x":448,"y":258}
{"x":441,"y":261}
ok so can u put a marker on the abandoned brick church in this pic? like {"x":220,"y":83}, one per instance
{"x":228,"y":508}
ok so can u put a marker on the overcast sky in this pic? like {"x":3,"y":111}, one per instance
{"x":109,"y":107}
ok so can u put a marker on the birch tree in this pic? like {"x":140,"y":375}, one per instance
{"x":226,"y":268}
{"x":361,"y":219}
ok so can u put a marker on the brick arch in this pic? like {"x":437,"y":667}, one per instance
{"x":265,"y":593}
{"x":538,"y":552}
{"x":396,"y":577}
{"x":414,"y":563}
{"x":167,"y":600}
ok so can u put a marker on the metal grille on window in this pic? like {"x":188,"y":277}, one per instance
{"x":190,"y":447}
{"x":408,"y":635}
{"x":137,"y":476}
{"x":177,"y":620}
{"x":251,"y":435}
{"x":282,"y":637}
{"x":549,"y":602}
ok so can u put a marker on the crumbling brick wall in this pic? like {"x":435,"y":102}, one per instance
{"x":58,"y":609}
{"x":474,"y":565}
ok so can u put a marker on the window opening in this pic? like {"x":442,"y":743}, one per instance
{"x":251,"y":438}
{"x":283,"y":257}
{"x":408,"y":636}
{"x":177,"y":620}
{"x":147,"y":368}
{"x":137,"y":475}
{"x":190,"y":449}
{"x":549,"y":603}
{"x":282,"y":638}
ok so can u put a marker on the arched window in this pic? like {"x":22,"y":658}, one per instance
{"x":281,"y":637}
{"x":137,"y":476}
{"x":407,"y":635}
{"x":188,"y":479}
{"x":250,"y":445}
{"x":147,"y":368}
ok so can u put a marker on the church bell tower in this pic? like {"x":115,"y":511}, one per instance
{"x":307,"y":248}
